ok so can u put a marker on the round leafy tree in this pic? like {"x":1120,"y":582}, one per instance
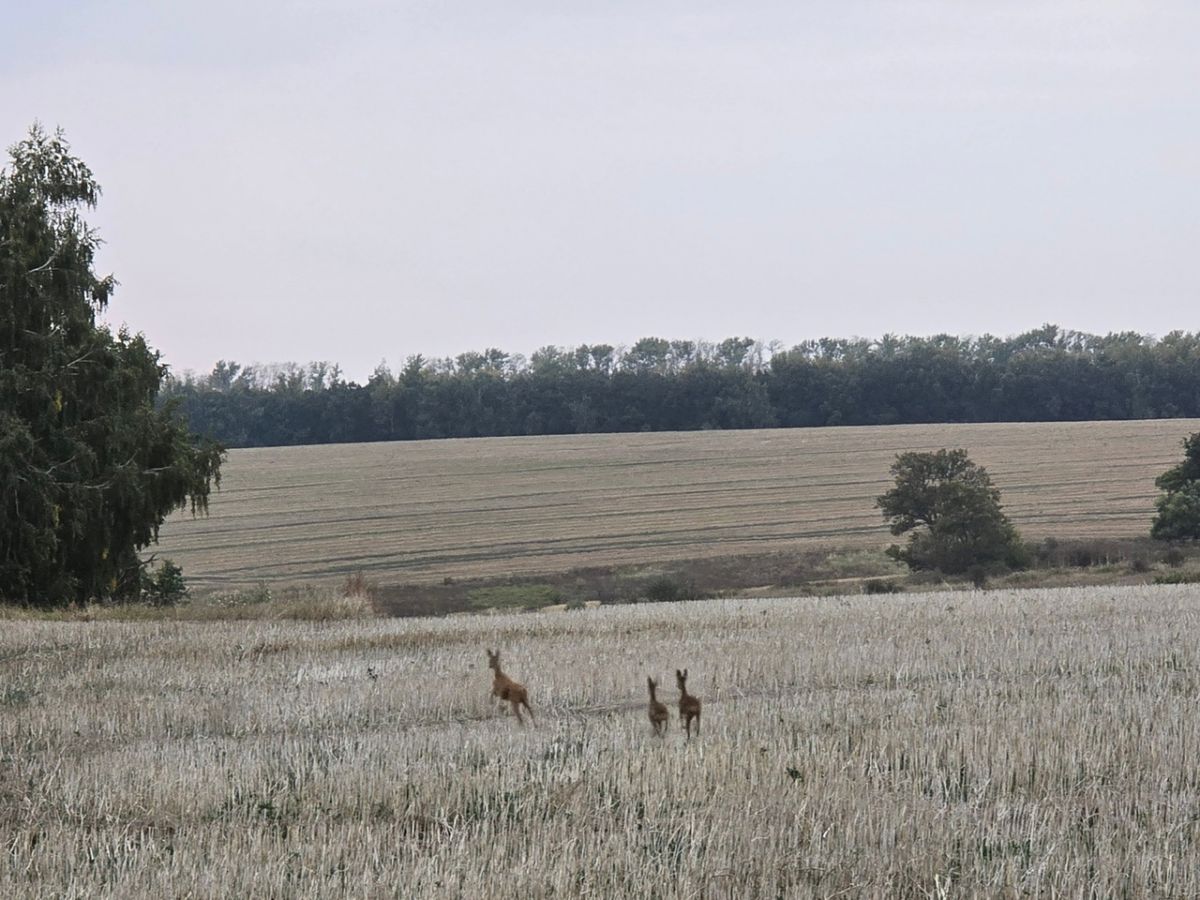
{"x":953,"y":502}
{"x":89,"y":467}
{"x":1178,"y":516}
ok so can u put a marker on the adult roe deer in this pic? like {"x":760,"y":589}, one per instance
{"x":507,"y":689}
{"x":689,"y":706}
{"x":657,"y":711}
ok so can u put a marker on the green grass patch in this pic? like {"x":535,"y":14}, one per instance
{"x":861,"y":564}
{"x":514,"y":596}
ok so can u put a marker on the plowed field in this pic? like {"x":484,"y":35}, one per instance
{"x":427,"y":510}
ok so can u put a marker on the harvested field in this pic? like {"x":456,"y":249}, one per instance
{"x":429,"y":510}
{"x":992,"y":744}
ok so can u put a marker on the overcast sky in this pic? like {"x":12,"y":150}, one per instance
{"x":354,"y":180}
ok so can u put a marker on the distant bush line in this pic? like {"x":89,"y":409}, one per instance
{"x":1048,"y":374}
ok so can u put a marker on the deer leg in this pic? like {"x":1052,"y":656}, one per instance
{"x":525,"y":703}
{"x":517,"y":711}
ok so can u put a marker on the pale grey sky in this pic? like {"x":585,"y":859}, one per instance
{"x":357,"y":180}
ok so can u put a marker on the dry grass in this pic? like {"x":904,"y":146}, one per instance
{"x":424,"y":511}
{"x":304,"y":604}
{"x":988,"y":744}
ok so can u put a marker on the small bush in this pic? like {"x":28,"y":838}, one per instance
{"x":979,"y":576}
{"x":1139,"y":565}
{"x":606,"y":590}
{"x":260,"y":593}
{"x":881,"y":586}
{"x":166,"y":586}
{"x":926,"y":579}
{"x":1178,"y":578}
{"x":1081,"y":557}
{"x":356,"y":585}
{"x":576,"y":603}
{"x":1174,"y":557}
{"x":1094,"y":553}
{"x":1046,"y":553}
{"x":665,"y":589}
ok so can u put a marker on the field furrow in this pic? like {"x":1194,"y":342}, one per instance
{"x":429,"y":510}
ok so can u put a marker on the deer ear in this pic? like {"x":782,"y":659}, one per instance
{"x":685,"y":673}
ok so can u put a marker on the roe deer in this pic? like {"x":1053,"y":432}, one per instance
{"x":689,"y":706}
{"x":507,"y":689}
{"x":656,"y":710}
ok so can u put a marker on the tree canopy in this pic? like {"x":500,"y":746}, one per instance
{"x":90,"y":465}
{"x":1178,"y":515}
{"x":953,"y":511}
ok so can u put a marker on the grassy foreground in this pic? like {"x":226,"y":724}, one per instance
{"x":973,"y":744}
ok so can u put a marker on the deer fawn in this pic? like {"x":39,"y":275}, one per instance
{"x":689,"y":706}
{"x":656,"y":710}
{"x":507,"y":689}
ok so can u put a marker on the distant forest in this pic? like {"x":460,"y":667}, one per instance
{"x":1048,"y":374}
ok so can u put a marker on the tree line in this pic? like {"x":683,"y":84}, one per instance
{"x":1047,"y":374}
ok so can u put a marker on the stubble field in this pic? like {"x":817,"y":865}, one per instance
{"x":429,"y":510}
{"x":1037,"y":743}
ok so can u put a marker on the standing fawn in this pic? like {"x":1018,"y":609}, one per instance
{"x":689,"y":706}
{"x":656,"y":710}
{"x":507,"y":689}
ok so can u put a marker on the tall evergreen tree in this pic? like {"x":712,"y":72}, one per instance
{"x":89,"y":468}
